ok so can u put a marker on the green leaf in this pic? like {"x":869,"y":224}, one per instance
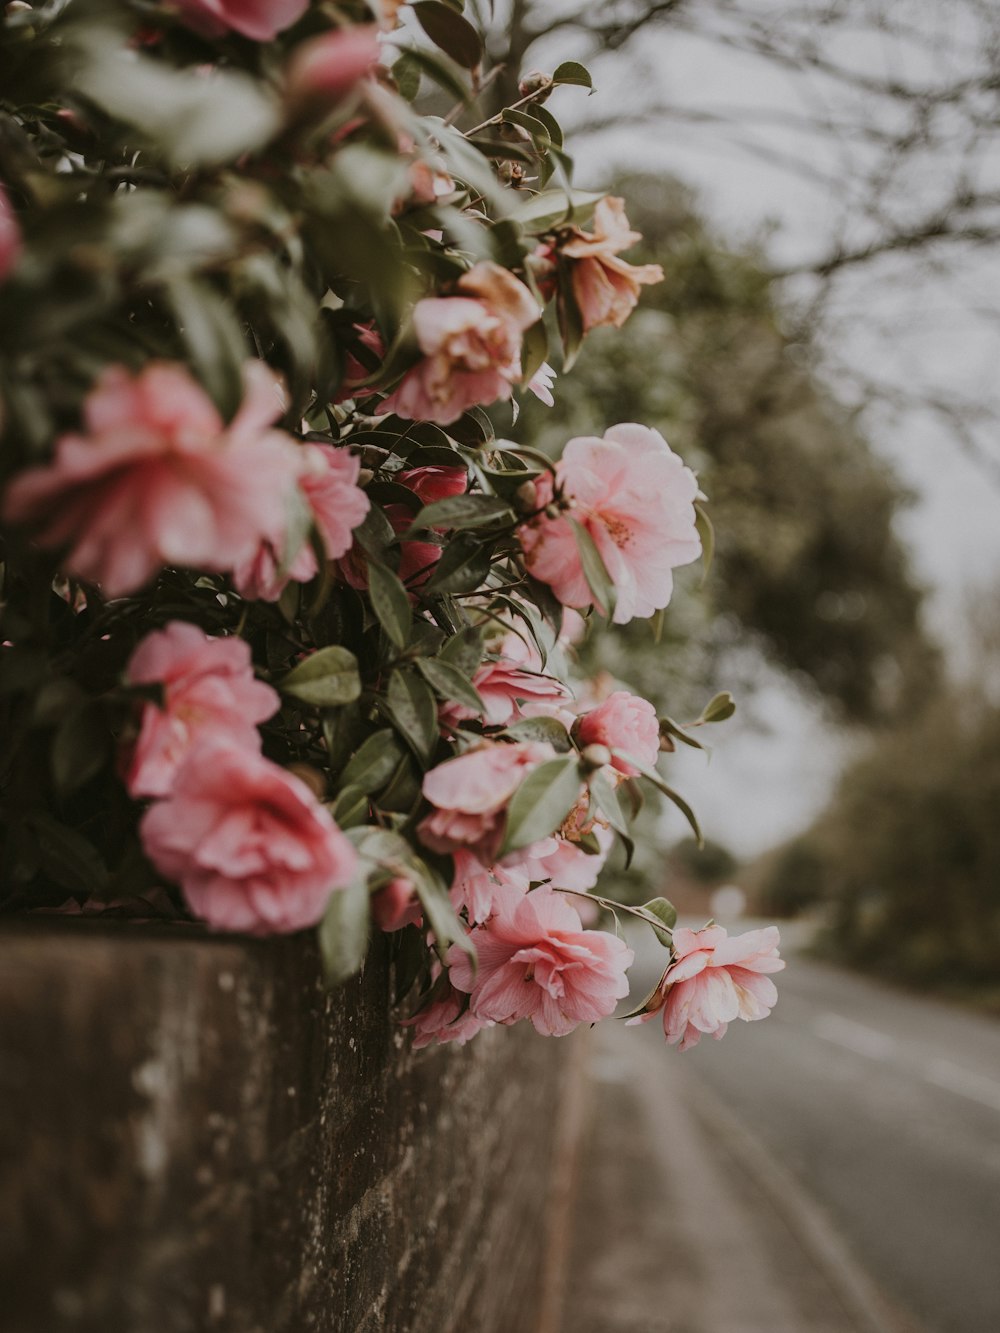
{"x":547,"y":729}
{"x":671,"y":728}
{"x":463,"y":567}
{"x":212,"y":335}
{"x":438,"y":70}
{"x":720,"y":708}
{"x":542,"y":802}
{"x":325,"y":679}
{"x":80,"y":747}
{"x":343,"y":932}
{"x":390,"y":602}
{"x":67,"y":857}
{"x":412,"y":710}
{"x":441,"y":915}
{"x":594,"y":570}
{"x":526,"y":121}
{"x":406,"y":71}
{"x":652,"y":776}
{"x":605,"y":795}
{"x":350,"y":808}
{"x":553,"y":208}
{"x":374,"y":763}
{"x":464,"y":650}
{"x":449,"y":683}
{"x":460,"y":511}
{"x":449,"y":31}
{"x":569,"y":319}
{"x":665,"y":912}
{"x":570,"y":71}
{"x":534,"y":350}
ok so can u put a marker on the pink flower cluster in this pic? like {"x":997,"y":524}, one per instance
{"x":247,"y":842}
{"x":471,"y":345}
{"x":713,"y":980}
{"x":635,"y":498}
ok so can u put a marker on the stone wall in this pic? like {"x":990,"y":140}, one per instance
{"x":195,"y":1136}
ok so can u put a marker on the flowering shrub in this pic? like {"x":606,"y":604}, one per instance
{"x":287,"y":630}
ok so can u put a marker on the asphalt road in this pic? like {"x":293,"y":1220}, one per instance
{"x":834,"y":1168}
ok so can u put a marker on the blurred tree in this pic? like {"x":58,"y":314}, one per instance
{"x":810,"y":569}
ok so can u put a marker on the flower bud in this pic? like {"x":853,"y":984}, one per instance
{"x":526,"y":496}
{"x":535,"y":82}
{"x":595,"y":756}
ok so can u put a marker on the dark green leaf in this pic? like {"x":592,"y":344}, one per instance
{"x":80,"y":747}
{"x":534,"y":350}
{"x":652,"y":776}
{"x":412,"y":710}
{"x":351,"y":807}
{"x":464,"y":650}
{"x":570,"y":71}
{"x":671,"y":728}
{"x":325,"y":679}
{"x":391,"y":603}
{"x":461,"y":511}
{"x":449,"y":683}
{"x":406,"y":71}
{"x":449,"y":31}
{"x":213,"y":338}
{"x":542,"y":802}
{"x":67,"y":857}
{"x":374,"y":763}
{"x":343,"y":932}
{"x":663,"y":911}
{"x":463,"y":566}
{"x":720,"y":708}
{"x":594,"y":570}
{"x":548,"y":729}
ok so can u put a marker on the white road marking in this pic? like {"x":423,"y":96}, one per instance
{"x":854,"y":1036}
{"x":875,"y":1045}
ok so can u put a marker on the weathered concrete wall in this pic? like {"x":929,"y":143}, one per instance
{"x":194,"y":1136}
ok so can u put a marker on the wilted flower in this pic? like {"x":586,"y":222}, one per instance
{"x":471,"y":345}
{"x":247,"y":841}
{"x":537,"y":961}
{"x":605,"y":287}
{"x":208,"y":690}
{"x":635,"y":498}
{"x":158,"y":479}
{"x":713,"y":979}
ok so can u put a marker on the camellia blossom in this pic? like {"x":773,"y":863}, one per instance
{"x":626,"y":722}
{"x":10,"y":236}
{"x":396,"y":905}
{"x":471,"y":345}
{"x":260,"y":20}
{"x":712,"y":980}
{"x":475,"y":886}
{"x":249,"y":844}
{"x":355,"y":370}
{"x":208,"y":690}
{"x":535,"y":960}
{"x":635,"y":498}
{"x":158,"y":479}
{"x":605,"y":287}
{"x":470,"y":795}
{"x":328,"y":483}
{"x":513,"y":678}
{"x":446,"y":1018}
{"x":325,"y":68}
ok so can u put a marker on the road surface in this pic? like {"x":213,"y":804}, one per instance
{"x":834,"y":1168}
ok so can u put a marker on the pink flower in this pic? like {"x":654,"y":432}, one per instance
{"x":396,"y":906}
{"x":470,"y":795}
{"x":606,"y":288}
{"x":158,"y":479}
{"x":636,"y":499}
{"x":209,"y":690}
{"x":260,"y":20}
{"x":434,"y":482}
{"x":536,"y":961}
{"x":474,"y":888}
{"x":248,"y":843}
{"x":471,"y":345}
{"x":515,"y":677}
{"x":567,"y":866}
{"x":713,"y":979}
{"x":10,"y":236}
{"x":327,"y":67}
{"x":541,"y":384}
{"x":623,"y":722}
{"x":328,"y":485}
{"x":446,"y":1018}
